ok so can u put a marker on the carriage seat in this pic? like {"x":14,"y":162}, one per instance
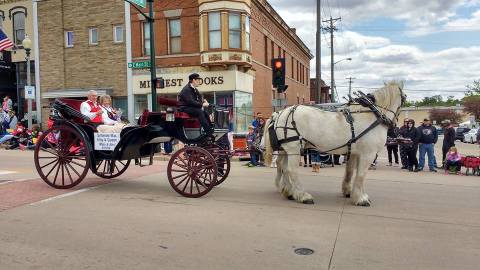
{"x":70,"y":109}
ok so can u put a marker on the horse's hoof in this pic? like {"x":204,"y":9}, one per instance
{"x":309,"y":201}
{"x":290,"y":197}
{"x":364,"y":203}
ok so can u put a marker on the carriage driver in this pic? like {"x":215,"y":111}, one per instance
{"x":191,"y":101}
{"x":91,"y":109}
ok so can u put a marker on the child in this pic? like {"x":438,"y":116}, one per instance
{"x":453,"y":159}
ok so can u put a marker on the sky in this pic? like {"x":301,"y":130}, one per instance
{"x":433,"y":46}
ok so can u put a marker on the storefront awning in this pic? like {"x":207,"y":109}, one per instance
{"x":78,"y":92}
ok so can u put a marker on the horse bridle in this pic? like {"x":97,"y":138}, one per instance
{"x":396,"y":114}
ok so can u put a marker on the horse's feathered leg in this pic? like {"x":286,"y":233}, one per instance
{"x":347,"y":179}
{"x":359,"y":196}
{"x":296,"y":189}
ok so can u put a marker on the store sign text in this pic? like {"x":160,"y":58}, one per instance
{"x":215,"y":80}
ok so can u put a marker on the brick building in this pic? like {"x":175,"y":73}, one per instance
{"x":230,"y":44}
{"x":324,"y":96}
{"x":16,"y":21}
{"x":82,"y":46}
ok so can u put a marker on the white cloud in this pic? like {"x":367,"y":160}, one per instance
{"x":377,"y":59}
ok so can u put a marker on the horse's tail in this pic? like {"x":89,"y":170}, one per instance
{"x":268,"y":154}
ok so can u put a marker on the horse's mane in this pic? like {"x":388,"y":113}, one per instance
{"x":388,"y":94}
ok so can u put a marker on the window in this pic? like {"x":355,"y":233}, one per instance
{"x":68,"y":39}
{"x":265,"y":39}
{"x":18,"y":27}
{"x":214,"y":30}
{"x":234,"y":30}
{"x":146,"y":38}
{"x":247,"y":33}
{"x":279,"y":52}
{"x":175,"y":33}
{"x":93,"y":36}
{"x":118,"y":33}
{"x":293,"y":66}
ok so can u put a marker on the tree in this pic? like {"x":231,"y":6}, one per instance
{"x":473,"y":89}
{"x":472,"y":105}
{"x":440,"y":115}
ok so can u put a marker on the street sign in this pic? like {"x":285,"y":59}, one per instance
{"x":141,"y":3}
{"x":30,"y":92}
{"x":144,"y":64}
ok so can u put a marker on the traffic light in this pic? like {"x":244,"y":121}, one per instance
{"x":278,"y":74}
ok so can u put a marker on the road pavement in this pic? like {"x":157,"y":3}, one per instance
{"x":417,"y":221}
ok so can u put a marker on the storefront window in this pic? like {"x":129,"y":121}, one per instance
{"x":141,"y":104}
{"x":243,"y":114}
{"x":121,"y":104}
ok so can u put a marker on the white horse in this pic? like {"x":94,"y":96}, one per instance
{"x":327,"y":130}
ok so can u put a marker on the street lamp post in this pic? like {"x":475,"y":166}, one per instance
{"x":27,"y":45}
{"x":332,"y":83}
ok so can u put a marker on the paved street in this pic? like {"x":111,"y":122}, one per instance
{"x":417,"y":221}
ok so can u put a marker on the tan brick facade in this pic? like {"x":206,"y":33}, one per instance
{"x":82,"y":66}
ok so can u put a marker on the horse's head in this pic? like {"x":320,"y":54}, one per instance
{"x":391,"y":97}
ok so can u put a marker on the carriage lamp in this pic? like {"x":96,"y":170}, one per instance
{"x":170,"y":116}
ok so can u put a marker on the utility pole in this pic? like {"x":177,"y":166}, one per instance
{"x":318,"y":55}
{"x":350,"y":85}
{"x":332,"y":28}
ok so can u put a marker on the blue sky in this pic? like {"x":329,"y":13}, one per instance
{"x":433,"y":45}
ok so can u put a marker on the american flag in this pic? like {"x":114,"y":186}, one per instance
{"x":5,"y":43}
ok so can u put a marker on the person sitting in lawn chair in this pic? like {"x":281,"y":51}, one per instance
{"x":453,"y":162}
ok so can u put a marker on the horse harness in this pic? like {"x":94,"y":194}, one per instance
{"x":362,"y":99}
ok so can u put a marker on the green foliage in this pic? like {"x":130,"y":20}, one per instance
{"x":473,"y":89}
{"x":434,"y":101}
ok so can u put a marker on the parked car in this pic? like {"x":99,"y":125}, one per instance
{"x":439,"y":130}
{"x":460,"y":132}
{"x":471,"y":136}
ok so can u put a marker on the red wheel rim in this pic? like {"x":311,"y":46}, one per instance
{"x":61,"y":157}
{"x":192,"y":172}
{"x":222,"y":159}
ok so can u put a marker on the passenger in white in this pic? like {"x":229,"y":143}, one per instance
{"x":110,"y":117}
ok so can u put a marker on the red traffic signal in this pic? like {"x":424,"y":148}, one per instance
{"x":278,"y":64}
{"x":278,"y":74}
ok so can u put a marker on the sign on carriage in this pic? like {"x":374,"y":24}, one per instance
{"x":106,"y":141}
{"x":141,"y":3}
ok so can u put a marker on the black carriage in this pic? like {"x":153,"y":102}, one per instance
{"x":65,"y":152}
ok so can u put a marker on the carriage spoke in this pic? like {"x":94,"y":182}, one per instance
{"x":46,"y":176}
{"x":48,"y":163}
{"x":99,"y":164}
{"x":68,"y":173}
{"x":124,"y":164}
{"x":63,"y":175}
{"x":105,"y":166}
{"x":48,"y":151}
{"x":56,"y":173}
{"x":115,"y":167}
{"x":173,"y":170}
{"x":181,"y":166}
{"x":186,"y":184}
{"x":71,"y":167}
{"x":179,"y":183}
{"x":196,"y":185}
{"x":180,"y":175}
{"x":47,"y":157}
{"x":78,"y":164}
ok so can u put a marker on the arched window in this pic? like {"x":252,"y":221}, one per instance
{"x":2,"y":18}
{"x":18,"y":27}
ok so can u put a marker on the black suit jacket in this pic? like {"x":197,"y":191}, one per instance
{"x":190,"y":97}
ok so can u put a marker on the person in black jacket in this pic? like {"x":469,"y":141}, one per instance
{"x":427,"y":139}
{"x":392,"y":145}
{"x":191,"y":101}
{"x":410,"y":144}
{"x":448,"y":139}
{"x":403,"y":151}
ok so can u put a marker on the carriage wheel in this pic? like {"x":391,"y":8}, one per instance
{"x":222,"y":160}
{"x":61,"y":157}
{"x":108,"y":168}
{"x":192,"y":171}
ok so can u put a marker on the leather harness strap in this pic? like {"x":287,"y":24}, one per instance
{"x":363,"y":100}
